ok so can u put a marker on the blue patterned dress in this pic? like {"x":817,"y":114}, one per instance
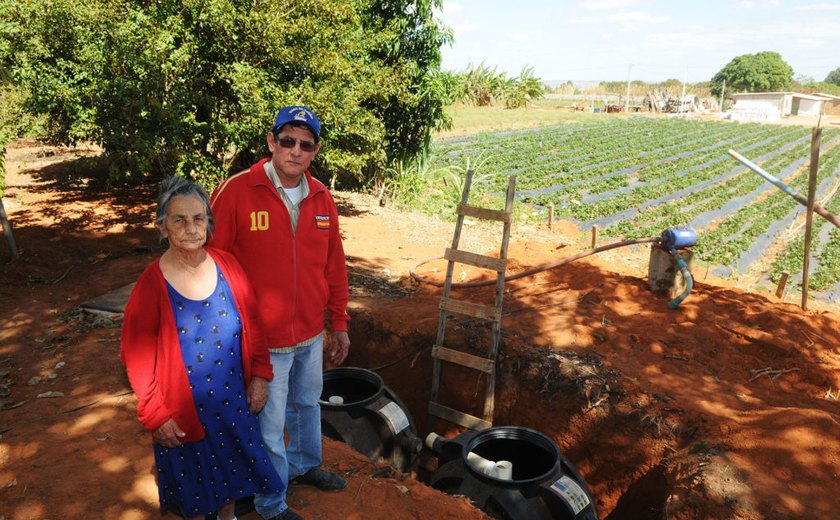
{"x":230,"y":462}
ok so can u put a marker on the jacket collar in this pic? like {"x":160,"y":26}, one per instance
{"x":257,"y":177}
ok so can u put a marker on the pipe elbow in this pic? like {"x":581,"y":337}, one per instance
{"x":689,"y":285}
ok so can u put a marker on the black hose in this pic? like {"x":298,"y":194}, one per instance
{"x":529,"y":272}
{"x":532,"y":271}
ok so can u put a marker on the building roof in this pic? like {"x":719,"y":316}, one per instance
{"x":768,"y":94}
{"x":814,"y":97}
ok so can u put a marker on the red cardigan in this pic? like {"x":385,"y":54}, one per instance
{"x":296,"y":275}
{"x":151,"y":352}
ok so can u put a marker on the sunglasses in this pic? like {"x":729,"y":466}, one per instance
{"x":289,"y":142}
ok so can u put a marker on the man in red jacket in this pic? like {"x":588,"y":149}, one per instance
{"x":282,"y":226}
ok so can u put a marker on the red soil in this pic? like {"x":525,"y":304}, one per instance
{"x":724,"y":408}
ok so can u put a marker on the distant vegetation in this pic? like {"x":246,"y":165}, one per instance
{"x":761,"y":72}
{"x":637,"y":88}
{"x":481,"y":85}
{"x":834,"y":77}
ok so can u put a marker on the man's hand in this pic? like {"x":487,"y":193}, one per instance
{"x":168,"y":434}
{"x":339,"y":346}
{"x":257,"y":394}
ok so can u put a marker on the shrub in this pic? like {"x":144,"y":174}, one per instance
{"x":191,"y":86}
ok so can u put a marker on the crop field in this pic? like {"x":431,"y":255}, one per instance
{"x":635,"y":177}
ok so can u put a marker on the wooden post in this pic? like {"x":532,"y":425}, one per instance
{"x":551,"y":216}
{"x":7,"y":231}
{"x":780,"y":290}
{"x":809,"y":215}
{"x":594,"y":236}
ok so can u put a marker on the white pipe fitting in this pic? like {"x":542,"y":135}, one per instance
{"x":430,"y":440}
{"x":502,"y":470}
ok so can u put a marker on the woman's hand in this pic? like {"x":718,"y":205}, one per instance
{"x":257,"y":394}
{"x":168,"y":434}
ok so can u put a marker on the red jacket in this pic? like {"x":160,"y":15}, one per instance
{"x":296,"y":275}
{"x":151,"y":352}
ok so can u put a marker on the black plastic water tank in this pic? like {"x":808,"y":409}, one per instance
{"x":544,"y":485}
{"x":358,"y":409}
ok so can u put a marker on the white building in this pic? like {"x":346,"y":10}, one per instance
{"x":773,"y":106}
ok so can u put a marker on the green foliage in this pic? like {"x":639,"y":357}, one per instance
{"x":191,"y":86}
{"x":451,"y":181}
{"x":478,"y":85}
{"x":833,"y":77}
{"x":407,"y":182}
{"x":482,"y":86}
{"x":641,"y":88}
{"x":15,"y":120}
{"x":412,"y":92}
{"x":526,"y":88}
{"x":434,"y":189}
{"x":821,"y":87}
{"x":761,"y":72}
{"x":6,"y":29}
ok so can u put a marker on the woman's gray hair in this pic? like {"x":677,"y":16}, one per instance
{"x":177,"y":186}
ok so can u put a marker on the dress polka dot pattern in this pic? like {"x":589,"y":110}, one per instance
{"x":230,"y":462}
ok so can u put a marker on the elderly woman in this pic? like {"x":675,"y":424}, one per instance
{"x":198,"y":362}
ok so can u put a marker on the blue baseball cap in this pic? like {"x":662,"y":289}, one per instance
{"x":298,"y":114}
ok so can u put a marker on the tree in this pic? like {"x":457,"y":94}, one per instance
{"x":406,"y":43}
{"x":833,"y":77}
{"x":191,"y":86}
{"x":482,"y":86}
{"x":762,"y":72}
{"x":527,"y":87}
{"x":6,"y":28}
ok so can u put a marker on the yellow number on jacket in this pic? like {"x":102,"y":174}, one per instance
{"x":259,"y":220}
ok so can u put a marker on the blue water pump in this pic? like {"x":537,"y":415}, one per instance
{"x":679,"y":238}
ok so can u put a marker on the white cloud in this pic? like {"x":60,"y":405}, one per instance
{"x":637,"y":17}
{"x":818,"y":7}
{"x":771,"y":4}
{"x":603,"y":5}
{"x":452,"y":8}
{"x":518,"y":37}
{"x":463,"y":28}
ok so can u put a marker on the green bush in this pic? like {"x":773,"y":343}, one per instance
{"x":833,"y":77}
{"x":191,"y":86}
{"x":482,"y":86}
{"x":761,"y":72}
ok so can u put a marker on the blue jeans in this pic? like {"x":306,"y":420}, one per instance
{"x":293,"y":398}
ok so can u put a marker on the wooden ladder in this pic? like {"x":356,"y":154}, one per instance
{"x":441,"y":352}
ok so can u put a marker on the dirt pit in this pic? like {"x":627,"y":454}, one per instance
{"x":724,"y":408}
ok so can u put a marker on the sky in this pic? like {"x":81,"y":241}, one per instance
{"x":652,"y":40}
